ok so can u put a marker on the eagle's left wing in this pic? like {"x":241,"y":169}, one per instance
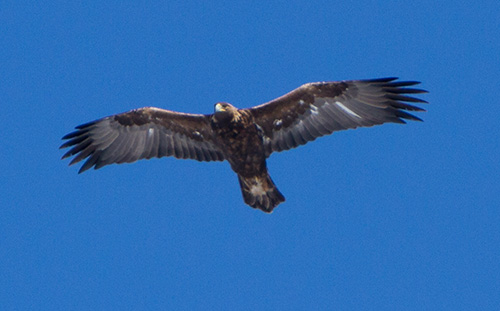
{"x":317,"y":109}
{"x":142,"y":134}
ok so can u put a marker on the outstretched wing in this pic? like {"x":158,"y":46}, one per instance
{"x":317,"y":109}
{"x":142,"y":134}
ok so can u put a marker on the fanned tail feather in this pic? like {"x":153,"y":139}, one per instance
{"x":260,"y":192}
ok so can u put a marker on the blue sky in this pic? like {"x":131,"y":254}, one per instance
{"x":392,"y":217}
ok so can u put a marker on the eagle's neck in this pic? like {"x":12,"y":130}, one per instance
{"x":222,"y":118}
{"x":229,"y":118}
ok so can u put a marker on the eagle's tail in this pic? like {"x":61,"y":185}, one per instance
{"x":260,"y":192}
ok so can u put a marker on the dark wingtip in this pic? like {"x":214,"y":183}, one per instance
{"x":66,"y":144}
{"x":84,"y":168}
{"x":85,"y":125}
{"x":403,"y":98}
{"x":71,"y":135}
{"x":422,"y":101}
{"x":405,"y":115}
{"x":381,"y":80}
{"x":417,"y":119}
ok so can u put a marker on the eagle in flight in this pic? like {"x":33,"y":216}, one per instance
{"x":244,"y":137}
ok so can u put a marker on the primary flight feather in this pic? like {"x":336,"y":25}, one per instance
{"x":244,"y":137}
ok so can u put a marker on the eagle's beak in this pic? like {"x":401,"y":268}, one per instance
{"x":219,"y":108}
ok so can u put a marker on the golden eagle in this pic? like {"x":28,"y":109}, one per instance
{"x":244,"y":137}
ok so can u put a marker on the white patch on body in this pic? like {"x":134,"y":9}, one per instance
{"x":301,"y":102}
{"x":349,"y":111}
{"x":257,"y":189}
{"x":277,"y":122}
{"x":150,"y":132}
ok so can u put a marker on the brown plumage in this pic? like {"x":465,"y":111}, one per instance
{"x":244,"y":137}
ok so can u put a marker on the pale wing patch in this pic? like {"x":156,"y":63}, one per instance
{"x":197,"y":134}
{"x":349,"y":111}
{"x":314,"y":110}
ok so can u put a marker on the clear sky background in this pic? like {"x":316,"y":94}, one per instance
{"x":395,"y":217}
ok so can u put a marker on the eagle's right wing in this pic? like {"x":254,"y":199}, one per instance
{"x":142,"y":134}
{"x":318,"y":109}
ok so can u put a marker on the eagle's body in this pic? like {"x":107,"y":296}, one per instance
{"x":244,"y":137}
{"x":239,"y":136}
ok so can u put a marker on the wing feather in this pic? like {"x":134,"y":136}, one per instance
{"x":317,"y":109}
{"x":142,"y":134}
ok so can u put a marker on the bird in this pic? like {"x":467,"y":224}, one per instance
{"x":245,"y":137}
